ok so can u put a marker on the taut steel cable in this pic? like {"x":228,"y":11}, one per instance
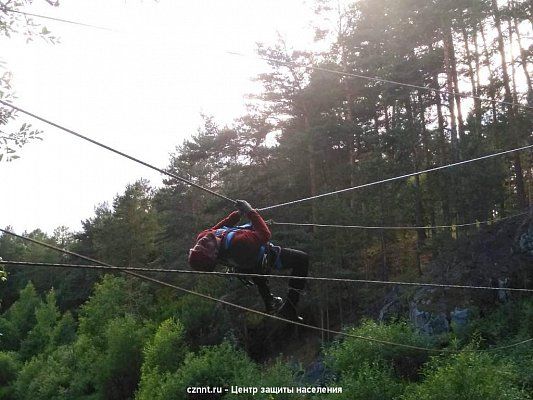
{"x":396,"y":178}
{"x":489,"y":221}
{"x":79,"y":135}
{"x":7,"y":9}
{"x":378,"y":79}
{"x":317,"y":328}
{"x":247,"y":275}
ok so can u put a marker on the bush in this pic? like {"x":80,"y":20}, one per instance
{"x":167,"y":350}
{"x":120,"y":363}
{"x":163,"y":355}
{"x":221,"y":365}
{"x":348,"y":356}
{"x":21,"y":314}
{"x":47,"y":376}
{"x":9,"y":367}
{"x":467,"y":376}
{"x":278,"y":375}
{"x":370,"y":382}
{"x":9,"y":339}
{"x":107,"y":302}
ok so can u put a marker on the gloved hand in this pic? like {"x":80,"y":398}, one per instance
{"x":243,"y":206}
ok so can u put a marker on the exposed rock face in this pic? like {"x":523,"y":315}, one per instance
{"x":500,"y":256}
{"x":429,"y":323}
{"x":526,"y":241}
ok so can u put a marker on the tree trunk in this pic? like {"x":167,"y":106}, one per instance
{"x":453,"y":67}
{"x":451,"y":98}
{"x":501,"y":50}
{"x":523,"y":60}
{"x":478,"y":69}
{"x":513,"y":69}
{"x":442,"y":151}
{"x":384,"y":270}
{"x":519,"y":176}
{"x":492,"y":86}
{"x":313,"y":185}
{"x":471,"y":75}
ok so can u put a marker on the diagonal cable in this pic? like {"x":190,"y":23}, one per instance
{"x":378,"y":79}
{"x":396,"y":177}
{"x":227,"y":303}
{"x":6,"y":9}
{"x":120,"y":153}
{"x":273,"y":60}
{"x":249,"y":275}
{"x":147,"y":278}
{"x":489,"y":221}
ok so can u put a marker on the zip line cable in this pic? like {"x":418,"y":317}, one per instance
{"x":377,"y":79}
{"x":227,"y":303}
{"x":396,"y":177}
{"x":129,"y":270}
{"x":247,"y":275}
{"x":227,"y":198}
{"x":233,"y":201}
{"x":188,"y":182}
{"x":204,"y":295}
{"x":272,"y":222}
{"x":5,"y":9}
{"x":342,"y":73}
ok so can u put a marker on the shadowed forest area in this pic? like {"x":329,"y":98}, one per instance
{"x":315,"y":128}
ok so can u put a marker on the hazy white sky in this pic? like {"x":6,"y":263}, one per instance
{"x":140,"y":89}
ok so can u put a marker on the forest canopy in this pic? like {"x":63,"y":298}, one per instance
{"x":464,"y":91}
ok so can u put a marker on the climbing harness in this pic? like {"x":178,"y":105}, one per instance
{"x":268,"y":255}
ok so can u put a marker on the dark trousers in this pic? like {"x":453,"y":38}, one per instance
{"x":295,"y":260}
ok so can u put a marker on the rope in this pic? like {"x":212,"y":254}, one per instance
{"x":382,"y":80}
{"x":377,"y":79}
{"x":240,"y":274}
{"x":188,"y":182}
{"x":250,"y":310}
{"x":272,"y":222}
{"x":5,"y":9}
{"x":396,"y":177}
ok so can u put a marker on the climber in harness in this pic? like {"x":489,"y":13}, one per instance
{"x":248,"y":250}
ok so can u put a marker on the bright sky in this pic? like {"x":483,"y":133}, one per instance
{"x":140,"y":89}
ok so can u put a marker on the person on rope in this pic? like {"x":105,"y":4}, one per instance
{"x":247,"y":249}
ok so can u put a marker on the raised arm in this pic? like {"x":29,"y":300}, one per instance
{"x":259,"y":225}
{"x":230,"y":220}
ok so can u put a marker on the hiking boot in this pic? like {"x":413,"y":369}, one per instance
{"x":288,"y":311}
{"x":273,"y":304}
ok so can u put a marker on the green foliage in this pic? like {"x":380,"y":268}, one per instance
{"x":41,"y":336}
{"x":371,"y":381}
{"x":167,"y":350}
{"x":9,"y":367}
{"x":125,"y":235}
{"x":348,"y":356}
{"x":468,"y":376}
{"x":106,"y":303}
{"x":278,"y":375}
{"x":221,"y":365}
{"x":196,"y":315}
{"x":216,"y":366}
{"x":522,"y":358}
{"x":120,"y":364}
{"x":9,"y":338}
{"x":21,"y":314}
{"x":64,"y":331}
{"x":47,"y":376}
{"x":330,"y":133}
{"x":163,"y":355}
{"x":113,"y":297}
{"x":509,"y":320}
